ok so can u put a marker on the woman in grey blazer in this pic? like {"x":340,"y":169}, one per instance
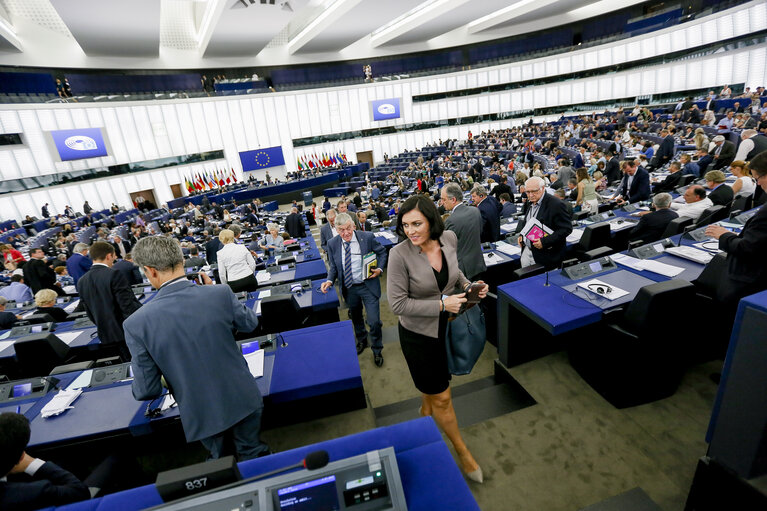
{"x":424,"y":285}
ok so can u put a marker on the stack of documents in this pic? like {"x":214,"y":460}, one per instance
{"x":509,"y":227}
{"x":575,"y":236}
{"x":491,"y":259}
{"x":263,"y":276}
{"x":72,"y":306}
{"x":387,"y":234}
{"x":691,"y":253}
{"x":664,"y":269}
{"x":508,"y":248}
{"x":69,"y":337}
{"x":60,"y":403}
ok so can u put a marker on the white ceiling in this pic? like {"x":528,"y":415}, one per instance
{"x":178,"y":34}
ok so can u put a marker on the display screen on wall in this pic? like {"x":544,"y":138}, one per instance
{"x":262,"y":158}
{"x":79,"y":144}
{"x":385,"y":109}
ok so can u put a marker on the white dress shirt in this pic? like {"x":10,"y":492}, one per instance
{"x":234,"y":263}
{"x":693,"y":209}
{"x":356,"y":259}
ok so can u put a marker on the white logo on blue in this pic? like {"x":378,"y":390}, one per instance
{"x":80,"y":143}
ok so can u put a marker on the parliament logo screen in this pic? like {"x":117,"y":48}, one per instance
{"x":79,"y":144}
{"x":385,"y":109}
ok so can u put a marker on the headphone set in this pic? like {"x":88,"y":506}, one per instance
{"x":600,"y":289}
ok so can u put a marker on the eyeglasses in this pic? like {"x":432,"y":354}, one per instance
{"x":533,"y":191}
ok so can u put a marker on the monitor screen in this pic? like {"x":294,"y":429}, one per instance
{"x":284,"y":267}
{"x":317,"y":495}
{"x":36,"y":329}
{"x":22,"y":389}
{"x":595,"y":266}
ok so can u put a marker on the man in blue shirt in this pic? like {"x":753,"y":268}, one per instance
{"x":79,"y":262}
{"x":18,"y":291}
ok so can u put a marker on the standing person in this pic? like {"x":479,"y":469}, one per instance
{"x":345,"y":255}
{"x":328,"y":229}
{"x":130,"y":271}
{"x":422,"y":269}
{"x":587,"y":194}
{"x":236,"y":265}
{"x":490,"y":210}
{"x":78,"y":263}
{"x":44,"y":211}
{"x":466,"y":223}
{"x":38,"y":274}
{"x":294,"y":224}
{"x":87,"y":208}
{"x":184,"y":335}
{"x":11,"y":256}
{"x":107,"y":297}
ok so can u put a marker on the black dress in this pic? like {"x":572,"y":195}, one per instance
{"x":426,"y":356}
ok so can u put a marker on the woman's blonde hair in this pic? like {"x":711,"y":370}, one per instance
{"x":45,"y":296}
{"x":226,"y":236}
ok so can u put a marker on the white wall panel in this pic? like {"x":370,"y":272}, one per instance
{"x":173,"y":129}
{"x":185,"y":121}
{"x":144,"y":129}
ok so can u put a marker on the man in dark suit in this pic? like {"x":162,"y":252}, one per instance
{"x":212,"y":246}
{"x":578,"y":160}
{"x":365,"y":224}
{"x":121,"y":246}
{"x":185,"y":336}
{"x":7,"y":319}
{"x":107,"y":297}
{"x":294,"y":224}
{"x":466,"y":222}
{"x":665,"y":151}
{"x":38,"y":274}
{"x":129,"y":269}
{"x":508,"y":208}
{"x":552,"y":213}
{"x":490,"y":210}
{"x":327,"y":231}
{"x":653,"y":224}
{"x":723,"y":153}
{"x":635,"y":186}
{"x":612,"y":168}
{"x":720,"y":194}
{"x":710,"y":103}
{"x":44,"y":211}
{"x":345,"y":255}
{"x":671,"y":182}
{"x":501,"y":188}
{"x":31,"y":483}
{"x":78,"y":263}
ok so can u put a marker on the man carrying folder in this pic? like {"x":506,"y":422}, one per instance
{"x":357,"y":259}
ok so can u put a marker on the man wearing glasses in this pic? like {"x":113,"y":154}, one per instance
{"x":553,"y":214}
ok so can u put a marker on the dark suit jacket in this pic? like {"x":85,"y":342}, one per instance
{"x":294,"y":225}
{"x":50,"y":486}
{"x":612,"y":170}
{"x":184,"y":325}
{"x":553,"y":214}
{"x":722,"y":195}
{"x":108,"y":300}
{"x":746,"y":272}
{"x":326,"y":234}
{"x":126,"y":246}
{"x":211,"y":247}
{"x":367,"y":226}
{"x":7,"y":319}
{"x":78,"y":265}
{"x":640,"y":186}
{"x":38,"y":275}
{"x":466,"y":221}
{"x":578,"y":161}
{"x":725,"y":157}
{"x":129,"y":270}
{"x":665,"y":151}
{"x":669,"y":184}
{"x":652,"y":226}
{"x":490,"y":209}
{"x":508,"y":209}
{"x":368,"y":243}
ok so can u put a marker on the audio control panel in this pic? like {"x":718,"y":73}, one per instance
{"x":26,"y":389}
{"x":589,"y":268}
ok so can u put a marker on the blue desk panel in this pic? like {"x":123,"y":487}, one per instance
{"x":430,"y":478}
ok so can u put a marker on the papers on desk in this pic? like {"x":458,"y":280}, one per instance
{"x":509,"y":227}
{"x":69,"y":337}
{"x":266,"y":293}
{"x":620,"y":224}
{"x":607,"y":291}
{"x":81,"y":381}
{"x":255,"y":362}
{"x":691,"y":253}
{"x":70,"y":290}
{"x":72,"y":306}
{"x":490,"y":258}
{"x":60,"y":403}
{"x":257,"y":307}
{"x":508,"y":248}
{"x":27,"y":314}
{"x":387,"y":234}
{"x":168,"y":402}
{"x":263,"y":276}
{"x":575,"y":236}
{"x":5,"y":344}
{"x":664,"y":269}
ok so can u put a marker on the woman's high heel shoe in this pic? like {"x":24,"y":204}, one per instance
{"x":476,"y":475}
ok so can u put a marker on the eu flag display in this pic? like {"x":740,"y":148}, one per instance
{"x":262,"y":158}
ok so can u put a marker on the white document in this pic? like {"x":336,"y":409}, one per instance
{"x":608,"y":291}
{"x":664,"y":269}
{"x":255,"y":362}
{"x":60,"y":403}
{"x":258,"y":307}
{"x":490,"y":259}
{"x":69,"y":337}
{"x":615,"y":226}
{"x":70,"y":290}
{"x":509,"y":227}
{"x":81,"y":381}
{"x":631,"y":262}
{"x":508,"y":248}
{"x":575,"y":236}
{"x":71,"y":307}
{"x":168,"y":402}
{"x":263,"y":276}
{"x":266,"y":293}
{"x":5,"y":344}
{"x":693,"y":254}
{"x":27,"y":314}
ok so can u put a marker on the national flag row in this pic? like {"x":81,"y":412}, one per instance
{"x":312,"y":161}
{"x":209,"y":180}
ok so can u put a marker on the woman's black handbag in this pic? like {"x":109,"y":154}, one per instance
{"x":465,"y":340}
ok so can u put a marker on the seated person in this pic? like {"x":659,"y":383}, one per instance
{"x":63,"y":277}
{"x":653,"y":224}
{"x":7,"y":319}
{"x":17,"y":291}
{"x":31,"y":483}
{"x":671,"y":182}
{"x":194,"y":258}
{"x":45,"y":299}
{"x":721,"y":194}
{"x":694,"y":203}
{"x":272,"y":239}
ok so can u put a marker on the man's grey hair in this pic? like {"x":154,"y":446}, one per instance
{"x":331,"y":212}
{"x":272,"y":227}
{"x":80,"y":247}
{"x":343,"y":219}
{"x":748,"y":134}
{"x":453,"y":190}
{"x":661,"y":200}
{"x":236,"y":229}
{"x":294,"y":210}
{"x":479,"y":191}
{"x":158,"y":252}
{"x":535,"y":180}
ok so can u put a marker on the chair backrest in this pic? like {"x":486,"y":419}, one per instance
{"x":686,"y":179}
{"x":676,"y":226}
{"x":711,"y":215}
{"x":711,"y":277}
{"x":596,"y":253}
{"x":594,"y":236}
{"x":742,"y":203}
{"x":278,"y":313}
{"x":529,"y":271}
{"x":38,"y":354}
{"x":662,"y":303}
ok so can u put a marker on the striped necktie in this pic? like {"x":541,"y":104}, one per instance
{"x":348,"y":277}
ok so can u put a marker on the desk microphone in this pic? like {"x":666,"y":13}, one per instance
{"x":546,"y":284}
